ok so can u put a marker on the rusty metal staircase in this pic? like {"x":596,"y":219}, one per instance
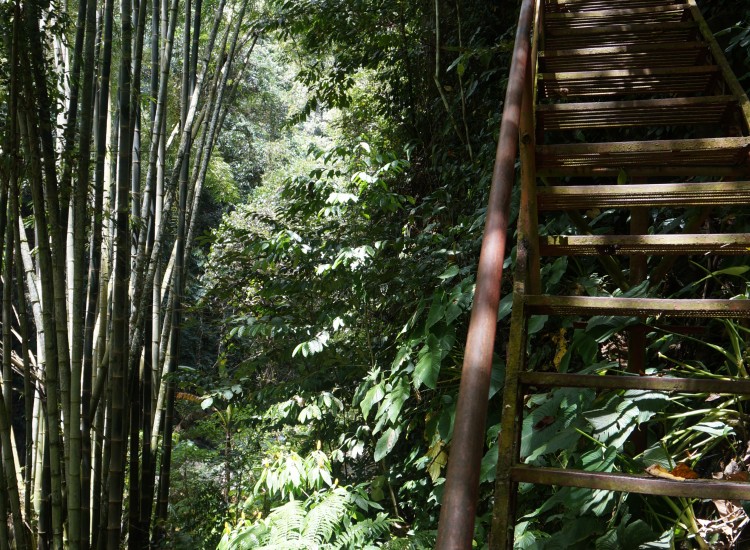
{"x":601,"y":97}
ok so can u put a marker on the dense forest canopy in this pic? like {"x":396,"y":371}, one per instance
{"x":239,"y":248}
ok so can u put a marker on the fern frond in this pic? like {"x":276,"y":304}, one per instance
{"x":247,"y":537}
{"x":285,"y":523}
{"x":421,"y":540}
{"x":323,"y":519}
{"x":363,"y":532}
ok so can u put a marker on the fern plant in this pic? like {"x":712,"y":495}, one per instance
{"x":327,"y":522}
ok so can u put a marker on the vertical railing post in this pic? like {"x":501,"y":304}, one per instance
{"x":526,"y":279}
{"x":456,"y":528}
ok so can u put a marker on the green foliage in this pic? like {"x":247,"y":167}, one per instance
{"x":330,"y":517}
{"x":326,"y":523}
{"x":341,"y":292}
{"x":579,"y":429}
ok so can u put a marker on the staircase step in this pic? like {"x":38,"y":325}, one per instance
{"x":662,"y":245}
{"x":684,"y":155}
{"x":584,"y":197}
{"x":673,"y":80}
{"x":734,"y":386}
{"x":633,"y":483}
{"x":556,"y":6}
{"x":634,"y":56}
{"x":620,"y":35}
{"x":624,"y":114}
{"x":543,"y":304}
{"x":665,"y":13}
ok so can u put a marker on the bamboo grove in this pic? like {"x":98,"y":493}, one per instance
{"x":110,"y":115}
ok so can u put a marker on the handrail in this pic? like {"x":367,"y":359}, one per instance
{"x":456,"y":527}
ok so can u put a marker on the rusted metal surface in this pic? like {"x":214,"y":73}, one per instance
{"x":666,"y":67}
{"x":653,"y":383}
{"x":631,"y":483}
{"x":620,"y":82}
{"x":525,"y":278}
{"x":666,"y":13}
{"x":677,"y":54}
{"x":458,"y":508}
{"x":685,"y":153}
{"x":621,"y":35}
{"x":667,"y":171}
{"x":718,"y":54}
{"x":661,"y":307}
{"x":628,"y":114}
{"x":657,"y":245}
{"x":584,"y":197}
{"x":504,"y":510}
{"x":554,"y":6}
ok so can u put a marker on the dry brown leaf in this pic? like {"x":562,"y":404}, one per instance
{"x":657,"y":470}
{"x":684,"y":471}
{"x":738,"y":476}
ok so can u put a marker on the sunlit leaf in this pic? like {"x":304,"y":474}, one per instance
{"x":386,"y":443}
{"x":449,"y":273}
{"x":373,"y":396}
{"x":428,"y":367}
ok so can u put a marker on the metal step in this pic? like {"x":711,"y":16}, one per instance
{"x":621,"y":82}
{"x":555,"y":6}
{"x":657,"y":245}
{"x":544,"y":304}
{"x":665,"y":13}
{"x":684,"y":155}
{"x":653,"y":383}
{"x":620,"y":35}
{"x":634,"y":56}
{"x":628,"y":114}
{"x":632,"y":483}
{"x":584,"y":197}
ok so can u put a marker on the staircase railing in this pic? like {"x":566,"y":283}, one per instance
{"x":456,"y":527}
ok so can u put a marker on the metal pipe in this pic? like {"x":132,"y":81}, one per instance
{"x":456,"y":527}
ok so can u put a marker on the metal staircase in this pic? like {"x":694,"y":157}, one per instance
{"x":613,"y":104}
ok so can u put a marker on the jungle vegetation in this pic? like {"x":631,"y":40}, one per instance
{"x":238,"y":255}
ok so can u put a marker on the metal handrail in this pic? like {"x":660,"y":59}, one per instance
{"x":456,"y":527}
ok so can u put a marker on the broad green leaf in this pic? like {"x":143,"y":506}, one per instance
{"x":386,"y":443}
{"x":403,"y":353}
{"x":506,"y":305}
{"x":395,"y":400}
{"x":497,"y":379}
{"x":715,"y":428}
{"x":536,"y":323}
{"x":574,"y":533}
{"x":648,"y":402}
{"x":488,"y":466}
{"x":449,"y":273}
{"x":373,"y":395}
{"x":552,"y":273}
{"x":437,"y":310}
{"x":664,"y":542}
{"x":445,"y":423}
{"x":586,"y":347}
{"x":452,"y":311}
{"x":552,"y":425}
{"x":614,"y":423}
{"x":428,"y":367}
